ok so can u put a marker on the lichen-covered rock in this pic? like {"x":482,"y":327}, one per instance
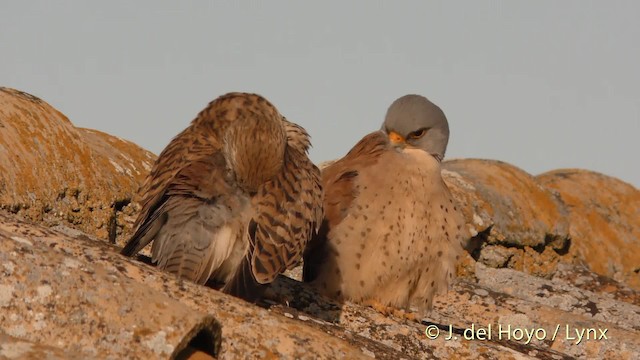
{"x":12,"y":348}
{"x":299,"y":324}
{"x":248,"y":332}
{"x":513,"y":221}
{"x":61,"y":300}
{"x":507,"y":201}
{"x":604,"y":214}
{"x":508,"y":302}
{"x":53,"y":172}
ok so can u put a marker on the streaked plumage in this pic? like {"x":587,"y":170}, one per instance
{"x":233,"y":198}
{"x":392,"y":232}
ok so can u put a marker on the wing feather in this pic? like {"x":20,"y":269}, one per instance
{"x":338,"y":183}
{"x":197,"y":240}
{"x":288,"y":213}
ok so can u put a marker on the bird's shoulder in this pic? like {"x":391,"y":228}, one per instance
{"x":189,"y":161}
{"x":340,"y":183}
{"x":288,"y":210}
{"x":340,"y":179}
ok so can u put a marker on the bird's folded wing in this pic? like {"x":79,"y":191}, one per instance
{"x":340,"y":190}
{"x":287,"y":214}
{"x":196,"y":239}
{"x":175,"y":175}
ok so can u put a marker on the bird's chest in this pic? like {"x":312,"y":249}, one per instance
{"x":405,"y":200}
{"x":409,"y":179}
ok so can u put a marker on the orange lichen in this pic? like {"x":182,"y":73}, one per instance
{"x":605,"y":221}
{"x":45,"y":156}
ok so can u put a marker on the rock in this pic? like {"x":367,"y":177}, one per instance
{"x":14,"y":348}
{"x":62,"y":300}
{"x":297,"y":323}
{"x":496,"y":256}
{"x":506,"y":201}
{"x":513,"y":221}
{"x":533,"y":223}
{"x":604,"y":213}
{"x":53,"y":172}
{"x":247,"y":331}
{"x":503,"y":299}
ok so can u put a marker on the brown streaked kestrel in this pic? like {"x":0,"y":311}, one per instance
{"x":391,"y":234}
{"x":232,"y":198}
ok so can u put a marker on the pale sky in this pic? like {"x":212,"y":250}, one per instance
{"x":539,"y":84}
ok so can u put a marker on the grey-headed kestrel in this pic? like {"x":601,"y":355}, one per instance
{"x":391,"y":235}
{"x":233,"y":198}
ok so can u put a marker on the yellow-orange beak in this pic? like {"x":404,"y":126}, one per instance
{"x":396,"y":138}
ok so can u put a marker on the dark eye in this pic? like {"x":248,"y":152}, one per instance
{"x":418,"y":133}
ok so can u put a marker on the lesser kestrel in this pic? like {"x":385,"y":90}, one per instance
{"x":391,"y":232}
{"x":232,"y":198}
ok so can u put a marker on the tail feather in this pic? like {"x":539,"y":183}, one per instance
{"x":145,"y":232}
{"x":243,"y":284}
{"x":131,"y":248}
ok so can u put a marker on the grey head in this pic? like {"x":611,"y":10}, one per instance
{"x":414,"y":121}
